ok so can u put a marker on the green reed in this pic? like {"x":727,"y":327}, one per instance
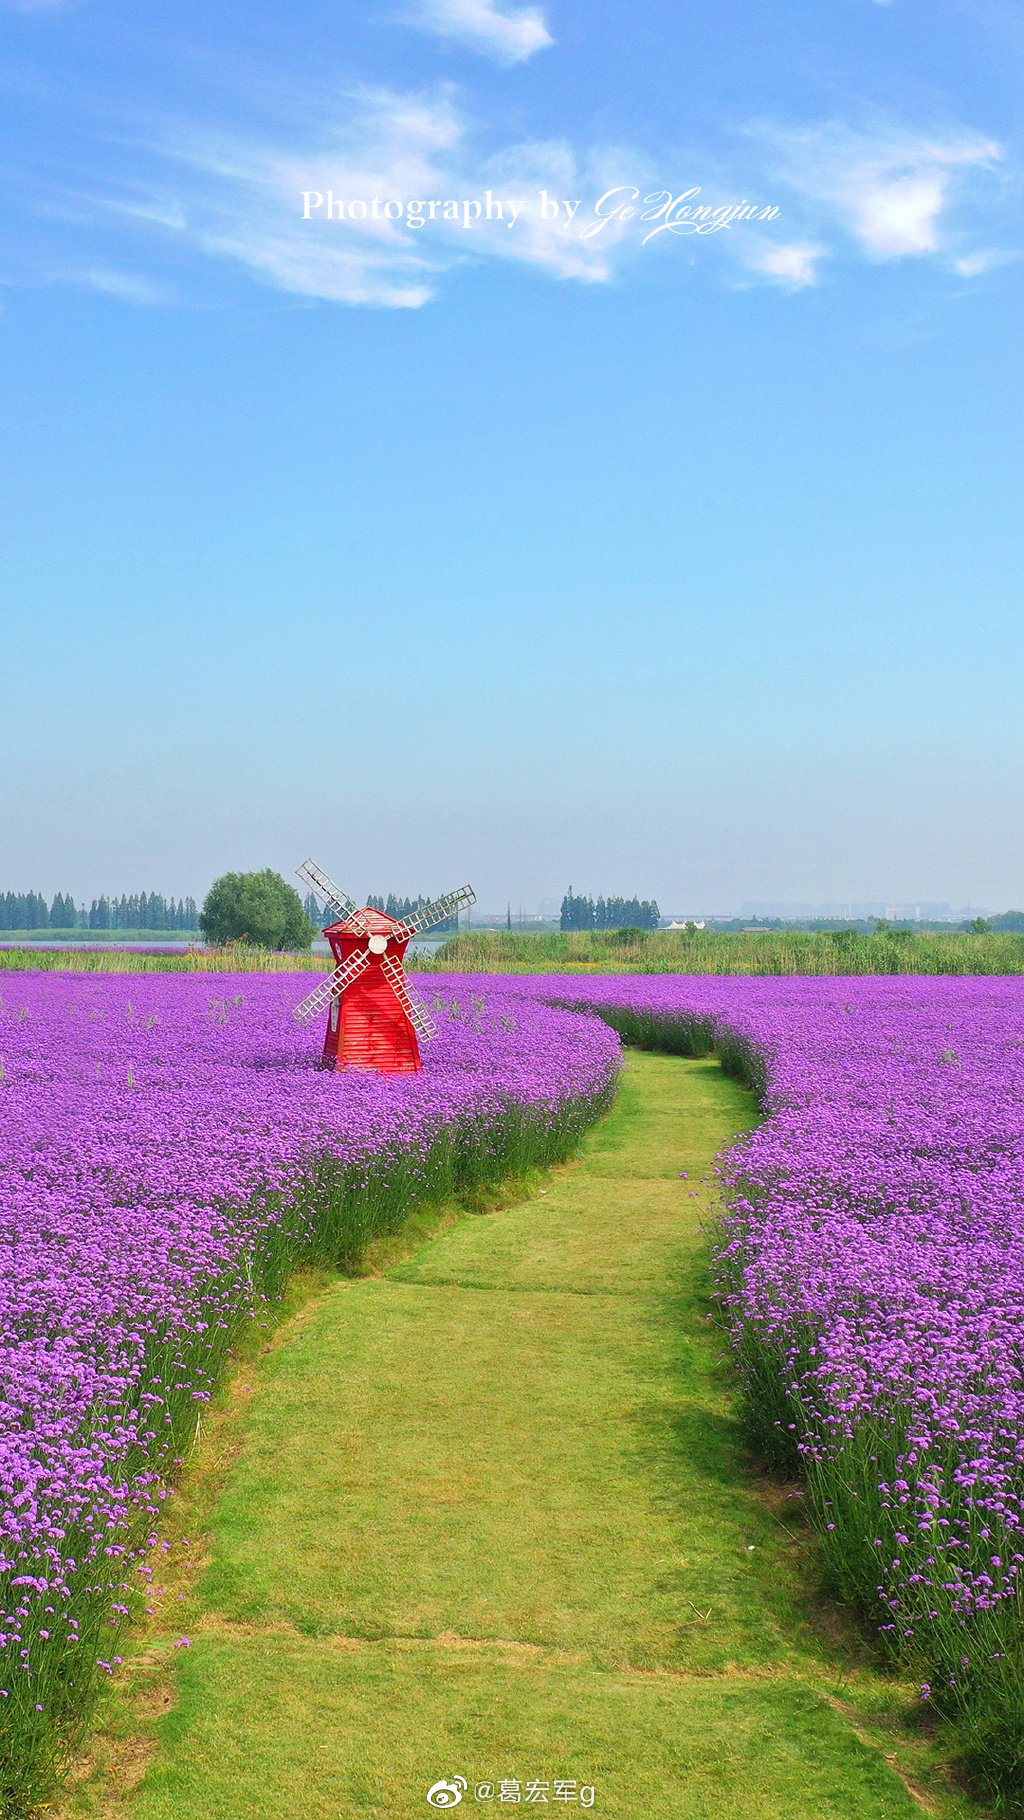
{"x":238,"y":957}
{"x":769,"y":951}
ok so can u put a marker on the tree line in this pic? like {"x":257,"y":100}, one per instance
{"x":609,"y":912}
{"x":142,"y":910}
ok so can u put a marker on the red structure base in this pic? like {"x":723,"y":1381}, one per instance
{"x":367,"y":1027}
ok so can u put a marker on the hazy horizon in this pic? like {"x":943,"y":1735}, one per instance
{"x":548,"y":908}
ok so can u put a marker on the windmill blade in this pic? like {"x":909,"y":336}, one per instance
{"x":332,"y":988}
{"x":325,"y":888}
{"x":441,"y":909}
{"x":417,"y":1017}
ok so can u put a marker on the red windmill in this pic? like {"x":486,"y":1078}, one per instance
{"x":373,"y":1022}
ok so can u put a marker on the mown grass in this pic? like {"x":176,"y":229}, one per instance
{"x":275,"y":1727}
{"x":489,"y":1514}
{"x":771,"y":951}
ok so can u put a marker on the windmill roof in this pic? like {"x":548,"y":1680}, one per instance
{"x":374,"y":920}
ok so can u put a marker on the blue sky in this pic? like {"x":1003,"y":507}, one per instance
{"x":676,"y":555}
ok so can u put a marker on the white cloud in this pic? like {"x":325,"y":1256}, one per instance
{"x":508,"y":34}
{"x":893,"y":189}
{"x":795,"y":265}
{"x":242,"y":200}
{"x":237,"y":200}
{"x":975,"y":265}
{"x":900,"y":215}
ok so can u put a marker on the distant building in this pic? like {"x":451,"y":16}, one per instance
{"x":919,"y":913}
{"x":806,"y":912}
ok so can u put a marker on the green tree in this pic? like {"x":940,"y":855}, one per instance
{"x":258,"y":905}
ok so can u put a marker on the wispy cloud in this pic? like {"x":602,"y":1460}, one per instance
{"x":975,"y":265}
{"x":354,"y":164}
{"x":241,"y":200}
{"x":892,"y":189}
{"x":42,"y":6}
{"x":127,"y":286}
{"x":508,"y":34}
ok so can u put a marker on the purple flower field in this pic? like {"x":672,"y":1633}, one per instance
{"x":872,"y":1269}
{"x":168,"y":1150}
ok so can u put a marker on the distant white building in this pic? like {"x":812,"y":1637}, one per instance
{"x":917,"y":913}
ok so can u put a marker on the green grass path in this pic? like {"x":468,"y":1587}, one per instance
{"x":489,"y":1518}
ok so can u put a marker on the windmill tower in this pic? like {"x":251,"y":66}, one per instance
{"x":372,"y":1021}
